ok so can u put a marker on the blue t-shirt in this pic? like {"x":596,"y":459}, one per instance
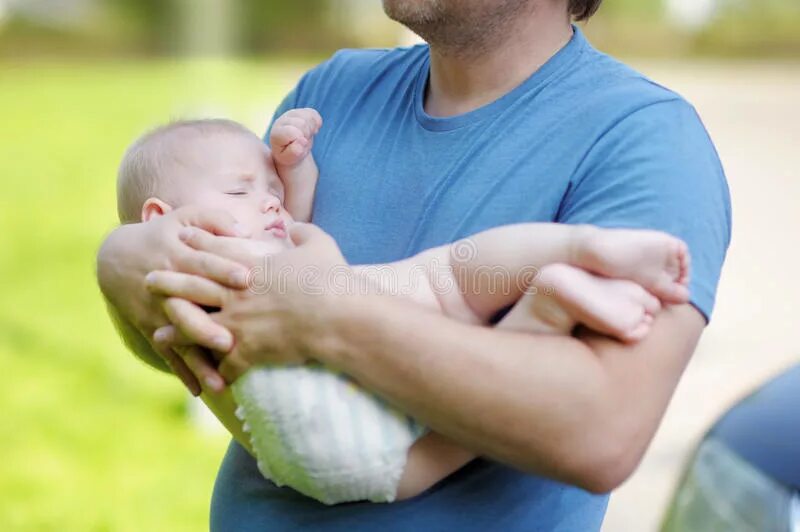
{"x":584,"y":140}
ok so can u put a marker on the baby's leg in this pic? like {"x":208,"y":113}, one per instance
{"x":319,"y":433}
{"x":564,"y":296}
{"x":494,"y":268}
{"x":432,"y":458}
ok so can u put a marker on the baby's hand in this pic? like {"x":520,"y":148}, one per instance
{"x":292,"y":136}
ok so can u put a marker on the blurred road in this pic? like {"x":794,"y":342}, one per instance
{"x":753,"y":114}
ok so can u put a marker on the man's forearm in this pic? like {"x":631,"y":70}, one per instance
{"x":581,"y":411}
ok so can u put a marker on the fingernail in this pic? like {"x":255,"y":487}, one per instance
{"x":238,"y":278}
{"x":215,"y":383}
{"x":150,"y":278}
{"x":221,"y":343}
{"x":185,"y":233}
{"x":160,"y":335}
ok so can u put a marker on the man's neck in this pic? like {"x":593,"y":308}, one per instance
{"x":460,"y":83}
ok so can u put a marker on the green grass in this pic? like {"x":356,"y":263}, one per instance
{"x":90,"y":438}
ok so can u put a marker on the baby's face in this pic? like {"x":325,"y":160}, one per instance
{"x":233,"y":173}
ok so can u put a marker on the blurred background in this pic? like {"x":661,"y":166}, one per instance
{"x":91,"y":439}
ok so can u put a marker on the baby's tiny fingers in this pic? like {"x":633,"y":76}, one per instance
{"x":295,"y":151}
{"x":316,"y":118}
{"x":310,"y":116}
{"x":285,"y":135}
{"x":305,"y":127}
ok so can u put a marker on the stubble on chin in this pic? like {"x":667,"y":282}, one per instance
{"x":459,"y":28}
{"x":414,"y":12}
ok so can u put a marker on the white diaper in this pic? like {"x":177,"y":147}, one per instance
{"x":319,"y":433}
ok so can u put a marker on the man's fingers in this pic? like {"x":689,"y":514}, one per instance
{"x":191,"y":287}
{"x":214,"y":221}
{"x":237,"y":250}
{"x":170,"y":336}
{"x":221,"y":269}
{"x":196,"y":325}
{"x":203,"y":369}
{"x":179,"y":368}
{"x":232,"y":367}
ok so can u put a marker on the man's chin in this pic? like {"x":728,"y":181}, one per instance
{"x":413,"y":13}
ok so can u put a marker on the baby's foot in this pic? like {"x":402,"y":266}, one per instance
{"x":657,"y":261}
{"x":615,"y":307}
{"x":292,"y":135}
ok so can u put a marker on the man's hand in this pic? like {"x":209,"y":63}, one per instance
{"x":133,"y":250}
{"x":273,"y":320}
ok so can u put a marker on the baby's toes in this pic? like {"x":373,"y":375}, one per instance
{"x":674,"y":257}
{"x":652,"y":305}
{"x":640,"y":330}
{"x":686,"y":264}
{"x":678,"y":294}
{"x":669,"y":290}
{"x":641,"y":298}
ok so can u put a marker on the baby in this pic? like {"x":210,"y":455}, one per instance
{"x":315,"y":430}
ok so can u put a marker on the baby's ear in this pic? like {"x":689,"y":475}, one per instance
{"x":154,"y":207}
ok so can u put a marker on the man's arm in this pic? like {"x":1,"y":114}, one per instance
{"x":579,"y":410}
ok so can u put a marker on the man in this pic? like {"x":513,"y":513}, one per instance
{"x":508,"y":116}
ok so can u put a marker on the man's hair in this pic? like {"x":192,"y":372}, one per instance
{"x":583,"y":9}
{"x":143,"y":168}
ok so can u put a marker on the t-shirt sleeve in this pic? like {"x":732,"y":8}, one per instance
{"x":657,"y":168}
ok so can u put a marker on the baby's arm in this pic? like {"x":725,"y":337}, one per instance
{"x":291,"y":139}
{"x":610,"y":280}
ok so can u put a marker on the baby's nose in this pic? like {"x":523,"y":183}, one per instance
{"x":270,"y":203}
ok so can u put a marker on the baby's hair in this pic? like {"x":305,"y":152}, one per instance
{"x":141,"y":173}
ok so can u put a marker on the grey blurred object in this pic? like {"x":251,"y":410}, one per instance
{"x":745,"y":474}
